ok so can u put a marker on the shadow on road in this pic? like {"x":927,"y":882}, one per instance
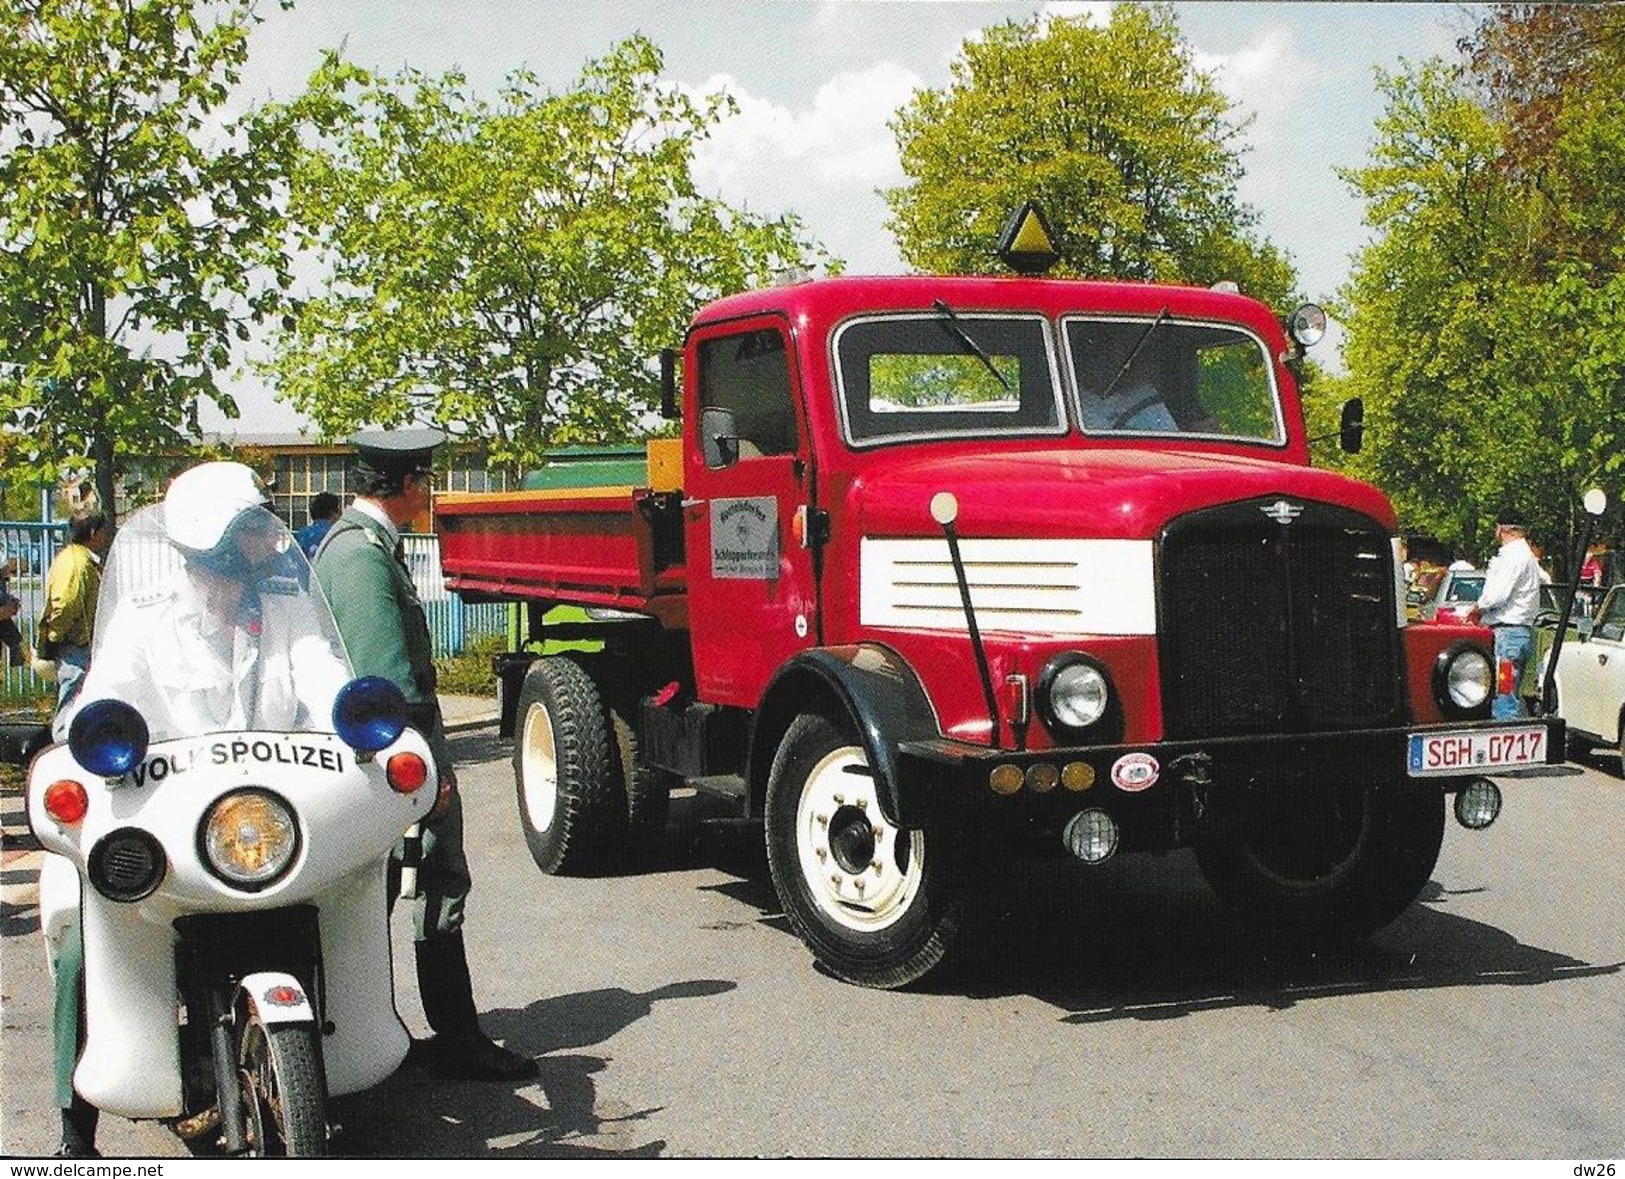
{"x":417,"y":1114}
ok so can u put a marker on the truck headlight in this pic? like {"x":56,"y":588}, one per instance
{"x":1463,"y":680}
{"x":250,"y":839}
{"x":1075,"y":695}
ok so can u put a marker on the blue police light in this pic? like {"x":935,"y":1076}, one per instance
{"x":108,"y":738}
{"x":369,"y":713}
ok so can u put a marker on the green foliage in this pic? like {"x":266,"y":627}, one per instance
{"x":1486,"y":317}
{"x":507,"y":269}
{"x":139,"y":236}
{"x":1131,"y":151}
{"x":470,"y":674}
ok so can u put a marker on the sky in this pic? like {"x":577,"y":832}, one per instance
{"x":817,"y":81}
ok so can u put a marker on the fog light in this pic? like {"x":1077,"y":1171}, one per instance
{"x":1478,"y":804}
{"x":1005,"y":779}
{"x":1041,"y":778}
{"x":1077,"y":776}
{"x":1091,"y":835}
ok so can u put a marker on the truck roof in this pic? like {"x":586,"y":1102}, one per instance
{"x":834,"y":299}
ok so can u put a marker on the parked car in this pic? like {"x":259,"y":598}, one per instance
{"x":1455,"y":598}
{"x":1420,"y":588}
{"x":1591,"y":679}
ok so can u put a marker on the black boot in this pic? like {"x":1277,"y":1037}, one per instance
{"x":79,"y":1131}
{"x":459,"y":1048}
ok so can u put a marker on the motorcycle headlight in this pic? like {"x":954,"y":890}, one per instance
{"x":1463,"y":680}
{"x":1074,"y":694}
{"x":250,"y":839}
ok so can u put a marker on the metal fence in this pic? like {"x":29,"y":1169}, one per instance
{"x":26,"y":553}
{"x":28,"y":550}
{"x":453,"y":624}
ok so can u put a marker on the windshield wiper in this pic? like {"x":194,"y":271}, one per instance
{"x":1162,"y":318}
{"x":941,"y":307}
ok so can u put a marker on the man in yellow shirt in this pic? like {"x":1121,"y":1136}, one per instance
{"x":71,"y":589}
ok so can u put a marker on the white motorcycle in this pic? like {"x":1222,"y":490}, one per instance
{"x":222,"y":849}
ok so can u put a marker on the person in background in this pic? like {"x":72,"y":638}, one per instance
{"x":324,"y":511}
{"x":362,"y":569}
{"x":71,"y":588}
{"x":1508,"y":606}
{"x":11,"y":638}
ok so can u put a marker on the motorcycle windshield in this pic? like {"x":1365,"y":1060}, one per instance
{"x":238,"y":638}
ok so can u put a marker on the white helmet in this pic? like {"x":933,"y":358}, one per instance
{"x":204,"y":502}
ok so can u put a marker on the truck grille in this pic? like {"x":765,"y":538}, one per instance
{"x":1269,"y":626}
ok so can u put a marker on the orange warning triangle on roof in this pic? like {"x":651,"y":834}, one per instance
{"x":1026,"y":245}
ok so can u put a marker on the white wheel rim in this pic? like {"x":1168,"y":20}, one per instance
{"x":539,"y":769}
{"x":860,"y":897}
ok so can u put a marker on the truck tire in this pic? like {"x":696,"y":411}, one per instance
{"x":647,"y":789}
{"x":873,"y":905}
{"x":570,"y":803}
{"x":1323,"y":865}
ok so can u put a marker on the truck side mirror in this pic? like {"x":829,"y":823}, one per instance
{"x":668,"y":385}
{"x":719,"y":437}
{"x":1351,"y":431}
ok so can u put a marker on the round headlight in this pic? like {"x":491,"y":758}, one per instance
{"x":1078,"y":694}
{"x":1307,"y":325}
{"x":250,"y":838}
{"x":1464,"y":680}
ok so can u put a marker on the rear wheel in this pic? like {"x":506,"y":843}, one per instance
{"x":874,"y":903}
{"x":284,"y":1091}
{"x":1326,"y":862}
{"x":570,"y":805}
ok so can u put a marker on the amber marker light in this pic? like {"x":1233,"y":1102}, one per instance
{"x":406,"y":772}
{"x":66,"y":802}
{"x":1077,"y":776}
{"x":1005,"y":779}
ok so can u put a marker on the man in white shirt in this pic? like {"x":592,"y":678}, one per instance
{"x":1508,"y":606}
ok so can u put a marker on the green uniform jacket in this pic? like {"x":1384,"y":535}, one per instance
{"x":380,"y":618}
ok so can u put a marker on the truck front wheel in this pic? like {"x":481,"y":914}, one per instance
{"x":570,"y":804}
{"x":872,"y":902}
{"x":1325,"y":863}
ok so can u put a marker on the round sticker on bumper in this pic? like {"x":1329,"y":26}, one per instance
{"x":1135,"y":771}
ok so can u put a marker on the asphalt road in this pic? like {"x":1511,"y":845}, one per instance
{"x":1107,"y":1013}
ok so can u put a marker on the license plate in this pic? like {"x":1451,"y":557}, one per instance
{"x":1457,"y":753}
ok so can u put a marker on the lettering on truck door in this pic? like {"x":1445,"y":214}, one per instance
{"x":752,"y":597}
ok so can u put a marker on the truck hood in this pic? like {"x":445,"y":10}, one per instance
{"x":1117,"y":494}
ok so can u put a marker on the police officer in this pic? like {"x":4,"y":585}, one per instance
{"x":362,"y":569}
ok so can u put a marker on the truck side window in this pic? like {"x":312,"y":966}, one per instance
{"x":748,"y":375}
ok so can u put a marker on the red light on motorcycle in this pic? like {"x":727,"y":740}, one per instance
{"x":406,"y":772}
{"x":66,"y":801}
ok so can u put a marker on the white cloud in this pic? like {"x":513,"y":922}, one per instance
{"x":1264,"y":78}
{"x":824,"y":160}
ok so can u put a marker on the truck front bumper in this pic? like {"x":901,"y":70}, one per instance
{"x":1158,"y":793}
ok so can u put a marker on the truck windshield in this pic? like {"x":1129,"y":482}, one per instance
{"x":943,"y":375}
{"x":1186,"y":379}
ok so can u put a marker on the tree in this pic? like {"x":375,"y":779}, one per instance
{"x":139,"y":237}
{"x":1130,"y":150}
{"x":1485,"y":320}
{"x":508,"y":271}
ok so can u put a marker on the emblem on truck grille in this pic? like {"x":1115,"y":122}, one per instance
{"x":1282,"y":511}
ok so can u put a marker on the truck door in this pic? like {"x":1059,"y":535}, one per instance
{"x":752,"y":597}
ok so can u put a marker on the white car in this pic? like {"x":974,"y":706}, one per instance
{"x":1591,"y":679}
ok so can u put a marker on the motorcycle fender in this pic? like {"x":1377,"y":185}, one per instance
{"x":276,"y":997}
{"x":58,"y":904}
{"x":131,"y":1062}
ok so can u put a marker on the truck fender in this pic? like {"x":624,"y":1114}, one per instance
{"x":876,"y":690}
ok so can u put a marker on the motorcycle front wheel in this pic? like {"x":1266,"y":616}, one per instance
{"x":284,"y":1091}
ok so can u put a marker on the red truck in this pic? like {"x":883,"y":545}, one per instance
{"x":948,"y":570}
